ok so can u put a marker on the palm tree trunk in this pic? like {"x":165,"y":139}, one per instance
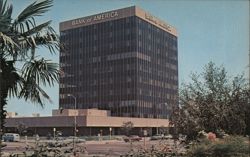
{"x":1,"y":109}
{"x":3,"y":102}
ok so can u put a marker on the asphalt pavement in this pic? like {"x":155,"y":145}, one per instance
{"x":107,"y":147}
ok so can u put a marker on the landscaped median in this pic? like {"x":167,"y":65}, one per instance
{"x":231,"y":146}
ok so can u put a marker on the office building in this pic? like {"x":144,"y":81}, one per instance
{"x":124,"y":61}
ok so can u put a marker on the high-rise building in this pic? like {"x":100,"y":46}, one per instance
{"x":124,"y":60}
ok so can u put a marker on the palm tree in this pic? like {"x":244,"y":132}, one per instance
{"x":22,"y":72}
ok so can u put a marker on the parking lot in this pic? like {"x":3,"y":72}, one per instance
{"x":110,"y":147}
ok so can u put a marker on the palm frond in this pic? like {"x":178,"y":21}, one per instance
{"x":41,"y":35}
{"x":42,"y":70}
{"x":11,"y":78}
{"x":19,"y":40}
{"x":48,"y":40}
{"x":4,"y":9}
{"x":16,"y":84}
{"x":43,"y":38}
{"x":7,"y":43}
{"x":5,"y":15}
{"x":37,"y":29}
{"x":25,"y":20}
{"x":34,"y":74}
{"x":33,"y":92}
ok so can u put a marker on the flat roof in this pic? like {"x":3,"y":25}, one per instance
{"x":117,"y":14}
{"x":84,"y":121}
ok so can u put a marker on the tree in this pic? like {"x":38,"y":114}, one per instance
{"x":127,"y":127}
{"x":21,"y":128}
{"x":164,"y":130}
{"x":247,"y":113}
{"x":23,"y":73}
{"x":213,"y":102}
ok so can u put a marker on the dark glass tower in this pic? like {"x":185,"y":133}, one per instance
{"x":125,"y":61}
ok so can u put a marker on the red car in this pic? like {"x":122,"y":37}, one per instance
{"x":132,"y":138}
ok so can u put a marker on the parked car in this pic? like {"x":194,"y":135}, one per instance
{"x":11,"y":137}
{"x":157,"y":137}
{"x":168,"y":136}
{"x":132,"y":138}
{"x":36,"y":137}
{"x":76,"y":139}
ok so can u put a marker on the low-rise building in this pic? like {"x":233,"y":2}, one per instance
{"x":11,"y":114}
{"x":88,"y":122}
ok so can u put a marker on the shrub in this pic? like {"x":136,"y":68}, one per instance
{"x":228,"y":147}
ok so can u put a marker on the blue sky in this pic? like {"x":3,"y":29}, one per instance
{"x":208,"y":30}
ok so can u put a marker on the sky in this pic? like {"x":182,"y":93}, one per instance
{"x":208,"y":30}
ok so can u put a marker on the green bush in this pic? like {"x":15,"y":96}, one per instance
{"x":199,"y":149}
{"x":232,"y":146}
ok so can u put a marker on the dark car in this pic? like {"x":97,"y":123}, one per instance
{"x":132,"y":138}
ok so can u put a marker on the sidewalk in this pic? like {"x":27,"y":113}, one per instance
{"x":110,"y":141}
{"x":104,"y":142}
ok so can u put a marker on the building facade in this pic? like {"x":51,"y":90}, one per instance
{"x":124,"y":60}
{"x":89,"y":122}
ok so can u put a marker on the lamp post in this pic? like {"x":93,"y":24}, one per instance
{"x":101,"y":134}
{"x":54,"y":131}
{"x":70,"y":95}
{"x":144,"y":139}
{"x":1,"y":129}
{"x":110,"y":133}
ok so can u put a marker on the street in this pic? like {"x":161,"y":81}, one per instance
{"x":112,"y":147}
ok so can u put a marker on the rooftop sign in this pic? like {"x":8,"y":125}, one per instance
{"x":157,"y":22}
{"x":98,"y":17}
{"x":117,"y":14}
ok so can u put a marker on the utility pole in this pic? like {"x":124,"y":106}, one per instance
{"x":0,"y":110}
{"x":249,"y":70}
{"x":249,"y":75}
{"x":110,"y":133}
{"x":1,"y":130}
{"x":70,"y":95}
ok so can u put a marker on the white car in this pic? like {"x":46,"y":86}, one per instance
{"x":168,"y":136}
{"x":11,"y":137}
{"x":76,"y":139}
